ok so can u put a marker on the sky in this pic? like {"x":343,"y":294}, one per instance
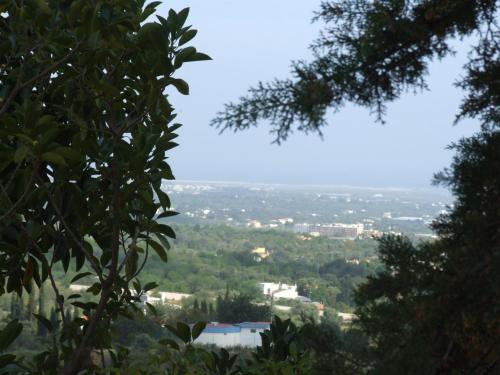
{"x":252,"y":41}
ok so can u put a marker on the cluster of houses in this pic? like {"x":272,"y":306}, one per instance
{"x":246,"y":334}
{"x":163,"y":298}
{"x":276,"y":223}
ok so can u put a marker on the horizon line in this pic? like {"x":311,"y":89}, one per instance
{"x":342,"y":186}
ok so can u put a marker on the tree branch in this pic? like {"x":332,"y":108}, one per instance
{"x":19,"y":86}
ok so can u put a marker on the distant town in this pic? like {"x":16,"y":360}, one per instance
{"x":340,"y":212}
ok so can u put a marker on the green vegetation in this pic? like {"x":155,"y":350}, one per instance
{"x":207,"y":259}
{"x":85,"y":125}
{"x":435,"y":306}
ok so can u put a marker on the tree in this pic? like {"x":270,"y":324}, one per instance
{"x":53,"y":318}
{"x":211,"y":310}
{"x":16,"y":307}
{"x":434,"y":309}
{"x":30,"y":309}
{"x":203,"y":306}
{"x":41,"y":329}
{"x":239,"y":309}
{"x":369,"y":54}
{"x":69,"y":315}
{"x":85,"y":127}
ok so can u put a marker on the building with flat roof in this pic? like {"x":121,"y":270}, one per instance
{"x":279,"y":290}
{"x":337,"y":230}
{"x":246,"y":334}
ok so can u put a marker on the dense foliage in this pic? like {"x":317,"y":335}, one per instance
{"x":436,"y":307}
{"x":85,"y":125}
{"x":209,"y":258}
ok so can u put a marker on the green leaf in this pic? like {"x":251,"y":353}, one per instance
{"x":44,"y":120}
{"x":153,"y":4}
{"x":183,"y":332}
{"x":158,"y":249}
{"x":198,"y":329}
{"x":54,"y":158}
{"x":28,"y":272}
{"x":6,"y":360}
{"x":150,"y":286}
{"x":166,"y":230}
{"x":163,"y":198}
{"x":68,"y":153}
{"x":198,"y":56}
{"x":180,"y":85}
{"x":152,"y":309}
{"x":187,"y":36}
{"x":132,"y":263}
{"x":20,"y":154}
{"x":137,"y":286}
{"x":43,"y":6}
{"x":183,"y":56}
{"x":167,"y":214}
{"x":80,"y":276}
{"x":7,"y":335}
{"x":168,"y":342}
{"x":174,"y":127}
{"x":163,"y":241}
{"x":95,"y":289}
{"x":182,"y":17}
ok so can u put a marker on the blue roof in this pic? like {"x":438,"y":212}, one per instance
{"x":221,"y":328}
{"x":255,"y":325}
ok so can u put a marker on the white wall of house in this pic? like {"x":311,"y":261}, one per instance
{"x":250,"y":337}
{"x":279,"y":290}
{"x":78,"y":288}
{"x":286,"y":294}
{"x":245,"y":334}
{"x":172,"y":296}
{"x":222,"y":340}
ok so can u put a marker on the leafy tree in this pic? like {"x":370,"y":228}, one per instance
{"x":204,"y":307}
{"x":85,"y":124}
{"x":370,"y":53}
{"x":435,"y":307}
{"x":211,"y":309}
{"x":53,"y":318}
{"x":240,"y":308}
{"x":31,"y":307}
{"x":16,"y":307}
{"x":69,"y":314}
{"x":41,"y":328}
{"x":333,"y":352}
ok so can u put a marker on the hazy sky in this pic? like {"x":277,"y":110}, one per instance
{"x":256,"y":40}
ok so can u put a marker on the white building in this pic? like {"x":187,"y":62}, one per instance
{"x":279,"y":290}
{"x":254,"y":224}
{"x":346,"y":317}
{"x":250,"y":333}
{"x":223,"y":335}
{"x":78,"y":288}
{"x":220,"y":334}
{"x":301,"y":228}
{"x":172,"y":296}
{"x":338,"y":230}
